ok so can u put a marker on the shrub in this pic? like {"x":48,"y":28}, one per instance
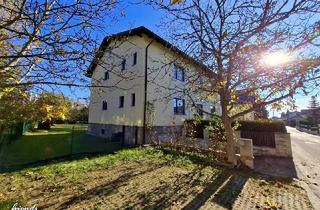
{"x":262,"y":126}
{"x":46,"y":125}
{"x":195,"y":128}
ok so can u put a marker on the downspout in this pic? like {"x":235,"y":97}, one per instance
{"x":145,"y":93}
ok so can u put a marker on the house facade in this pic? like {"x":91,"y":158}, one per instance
{"x":142,"y":83}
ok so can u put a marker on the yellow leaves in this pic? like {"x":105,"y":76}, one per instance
{"x":172,"y":2}
{"x":224,"y":35}
{"x":37,"y":43}
{"x":52,"y":106}
{"x":62,"y":53}
{"x":270,"y":204}
{"x":37,"y":60}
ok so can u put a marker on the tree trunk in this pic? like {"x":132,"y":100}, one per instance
{"x":227,"y":122}
{"x":230,"y":140}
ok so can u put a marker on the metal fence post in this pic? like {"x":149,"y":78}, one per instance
{"x":72,"y":134}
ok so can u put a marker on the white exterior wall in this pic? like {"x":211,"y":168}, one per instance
{"x":162,"y":87}
{"x":127,"y":115}
{"x":160,"y":80}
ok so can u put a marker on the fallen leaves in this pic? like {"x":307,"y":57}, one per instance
{"x":279,"y":184}
{"x":271,"y":204}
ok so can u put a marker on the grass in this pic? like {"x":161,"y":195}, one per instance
{"x":140,"y":178}
{"x":144,"y":178}
{"x":45,"y":145}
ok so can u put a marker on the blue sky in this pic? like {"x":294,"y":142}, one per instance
{"x":143,"y":15}
{"x":134,"y":15}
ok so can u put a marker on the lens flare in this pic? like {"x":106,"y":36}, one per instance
{"x":275,"y":59}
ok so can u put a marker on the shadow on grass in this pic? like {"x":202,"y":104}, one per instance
{"x":222,"y":189}
{"x":106,"y":188}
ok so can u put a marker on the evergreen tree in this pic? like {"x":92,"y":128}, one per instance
{"x":313,"y":103}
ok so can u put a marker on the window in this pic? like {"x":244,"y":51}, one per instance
{"x":134,"y":58}
{"x":104,"y":105}
{"x":200,"y":109}
{"x":133,"y":99}
{"x":102,"y":131}
{"x":178,"y":106}
{"x":123,"y":64}
{"x":121,"y":101}
{"x":178,"y":72}
{"x":106,"y":75}
{"x":212,"y":109}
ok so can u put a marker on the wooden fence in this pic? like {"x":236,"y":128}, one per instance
{"x":265,"y":139}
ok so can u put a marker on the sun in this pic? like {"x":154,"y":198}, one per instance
{"x":275,"y":58}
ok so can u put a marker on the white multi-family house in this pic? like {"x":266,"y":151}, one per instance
{"x":140,"y":81}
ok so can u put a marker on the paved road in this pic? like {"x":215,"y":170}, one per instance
{"x":306,"y":157}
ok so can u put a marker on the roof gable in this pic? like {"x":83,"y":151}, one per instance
{"x":136,"y":31}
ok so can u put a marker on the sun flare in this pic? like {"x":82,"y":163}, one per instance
{"x":275,"y":58}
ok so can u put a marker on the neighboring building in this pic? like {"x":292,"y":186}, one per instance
{"x":243,"y":102}
{"x":291,"y":118}
{"x":312,"y":115}
{"x":150,"y":84}
{"x":305,"y":115}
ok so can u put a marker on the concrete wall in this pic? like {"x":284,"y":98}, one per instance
{"x":246,"y":152}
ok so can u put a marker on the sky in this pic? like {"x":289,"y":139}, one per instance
{"x":134,"y":15}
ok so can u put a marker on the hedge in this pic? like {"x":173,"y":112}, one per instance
{"x":262,"y":126}
{"x":195,"y":128}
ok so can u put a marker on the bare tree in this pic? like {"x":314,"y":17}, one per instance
{"x":49,"y":42}
{"x":257,"y":52}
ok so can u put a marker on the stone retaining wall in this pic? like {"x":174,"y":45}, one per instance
{"x":132,"y":134}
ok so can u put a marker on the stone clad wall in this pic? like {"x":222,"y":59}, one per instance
{"x":132,"y":134}
{"x":282,"y":149}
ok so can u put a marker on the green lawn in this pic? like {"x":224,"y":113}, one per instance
{"x":44,"y":145}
